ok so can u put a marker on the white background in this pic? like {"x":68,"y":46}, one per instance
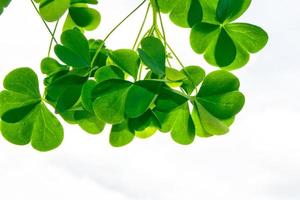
{"x":258,"y":160}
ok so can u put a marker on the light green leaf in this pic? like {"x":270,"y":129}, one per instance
{"x":179,"y":122}
{"x":187,"y":13}
{"x":24,"y":118}
{"x":126,"y":59}
{"x":194,"y":75}
{"x":166,"y":6}
{"x":86,"y":95}
{"x":52,"y":10}
{"x":89,"y":122}
{"x":205,"y":123}
{"x":251,"y":38}
{"x":121,"y":135}
{"x":202,"y":36}
{"x":50,"y":66}
{"x":217,"y":101}
{"x":109,"y":72}
{"x":110,"y":96}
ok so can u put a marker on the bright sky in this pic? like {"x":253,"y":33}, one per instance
{"x":258,"y":160}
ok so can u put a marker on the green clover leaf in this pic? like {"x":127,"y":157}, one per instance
{"x":53,"y":10}
{"x":121,"y":134}
{"x":82,"y":17}
{"x":217,"y":102}
{"x":24,"y":117}
{"x":126,"y":59}
{"x":184,"y":13}
{"x":74,"y":50}
{"x":227,"y":44}
{"x":145,"y":125}
{"x":64,"y":92}
{"x":179,"y":122}
{"x":153,"y":55}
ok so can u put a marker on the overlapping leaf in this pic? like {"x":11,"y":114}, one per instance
{"x":82,"y":17}
{"x":184,"y":13}
{"x":53,"y":10}
{"x":216,"y":104}
{"x":24,"y":118}
{"x":153,"y":55}
{"x":74,"y":50}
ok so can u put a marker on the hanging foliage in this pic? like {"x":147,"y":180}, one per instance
{"x":138,"y":91}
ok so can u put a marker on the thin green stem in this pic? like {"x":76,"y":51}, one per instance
{"x":52,"y":38}
{"x":142,"y":27}
{"x":179,"y":61}
{"x":113,"y":30}
{"x":162,"y":26}
{"x":45,"y":23}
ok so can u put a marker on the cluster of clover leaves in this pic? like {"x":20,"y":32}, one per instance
{"x":138,"y":91}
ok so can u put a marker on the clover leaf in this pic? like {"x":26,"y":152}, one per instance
{"x":117,"y":100}
{"x":24,"y":117}
{"x":145,"y":125}
{"x":227,"y":44}
{"x":184,"y":13}
{"x":121,"y":134}
{"x":53,"y":10}
{"x":64,"y":92}
{"x":88,"y":122}
{"x":126,"y":59}
{"x":217,"y":102}
{"x":109,"y":103}
{"x":153,"y":55}
{"x":82,"y":17}
{"x":3,"y":4}
{"x":108,"y":72}
{"x":179,"y":122}
{"x":74,"y":50}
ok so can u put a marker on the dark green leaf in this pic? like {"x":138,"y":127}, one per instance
{"x":75,"y":49}
{"x":153,"y":55}
{"x":145,"y":125}
{"x":225,"y":51}
{"x":187,"y":13}
{"x":220,"y":96}
{"x":84,"y":17}
{"x":229,"y":10}
{"x":139,"y":99}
